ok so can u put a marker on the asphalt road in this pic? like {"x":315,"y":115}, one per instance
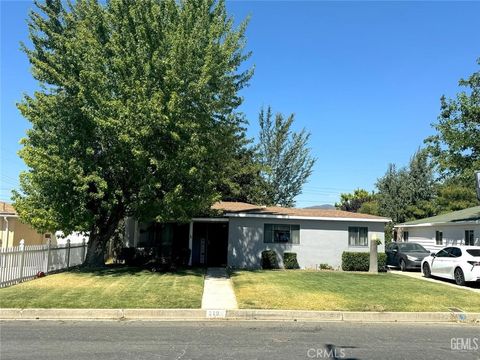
{"x":235,"y":340}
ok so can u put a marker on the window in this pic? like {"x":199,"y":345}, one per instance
{"x":405,"y":236}
{"x":358,"y":236}
{"x":392,"y":246}
{"x":455,"y":252}
{"x":277,"y":233}
{"x":469,"y":237}
{"x":444,"y":252}
{"x":438,"y":237}
{"x":474,"y":252}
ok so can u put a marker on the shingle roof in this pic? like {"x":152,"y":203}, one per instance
{"x":245,"y":208}
{"x":467,"y":215}
{"x":7,"y":209}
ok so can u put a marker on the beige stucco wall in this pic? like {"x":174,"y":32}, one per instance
{"x":18,"y":231}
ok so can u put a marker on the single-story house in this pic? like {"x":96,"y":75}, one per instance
{"x":454,"y":228}
{"x":12,"y":230}
{"x":240,"y":232}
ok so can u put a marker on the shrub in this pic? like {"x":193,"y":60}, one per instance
{"x":325,"y":267}
{"x":360,"y":261}
{"x":269,"y":259}
{"x":290,"y":260}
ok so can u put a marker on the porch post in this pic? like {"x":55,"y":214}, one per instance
{"x":135,"y":233}
{"x":190,"y":242}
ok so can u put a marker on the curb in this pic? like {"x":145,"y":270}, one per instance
{"x":199,"y":314}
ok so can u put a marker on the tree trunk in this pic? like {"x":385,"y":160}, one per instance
{"x":102,"y":232}
{"x":373,"y":257}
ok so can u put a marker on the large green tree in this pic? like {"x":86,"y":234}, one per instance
{"x":242,"y":173}
{"x":135,"y":114}
{"x":456,"y":145}
{"x":285,"y":157}
{"x":407,"y":193}
{"x":354,"y":201}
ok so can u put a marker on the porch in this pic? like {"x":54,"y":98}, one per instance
{"x":201,"y":242}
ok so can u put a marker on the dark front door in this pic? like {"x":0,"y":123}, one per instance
{"x":217,"y":244}
{"x":210,"y":244}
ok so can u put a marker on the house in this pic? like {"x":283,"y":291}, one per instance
{"x":12,"y":230}
{"x":433,"y":233}
{"x":239,"y":233}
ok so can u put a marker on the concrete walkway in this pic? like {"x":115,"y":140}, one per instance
{"x":419,"y":275}
{"x":218,"y":291}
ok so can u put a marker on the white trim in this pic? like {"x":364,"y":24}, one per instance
{"x":9,"y":215}
{"x":295,"y":217}
{"x":210,"y":220}
{"x":458,"y":223}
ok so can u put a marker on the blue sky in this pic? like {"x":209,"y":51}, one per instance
{"x":364,"y":78}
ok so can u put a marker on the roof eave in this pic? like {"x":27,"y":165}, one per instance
{"x":442,"y":223}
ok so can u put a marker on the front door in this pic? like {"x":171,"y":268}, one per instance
{"x":210,"y":244}
{"x":440,"y":262}
{"x":217,"y":244}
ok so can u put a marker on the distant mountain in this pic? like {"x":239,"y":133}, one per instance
{"x":324,"y":206}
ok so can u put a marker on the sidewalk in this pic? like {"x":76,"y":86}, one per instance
{"x":218,"y":291}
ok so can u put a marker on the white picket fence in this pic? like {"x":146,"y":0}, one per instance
{"x":24,"y":262}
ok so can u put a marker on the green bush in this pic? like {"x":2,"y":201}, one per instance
{"x":325,"y":267}
{"x":360,"y":261}
{"x":290,"y":260}
{"x":269,"y":260}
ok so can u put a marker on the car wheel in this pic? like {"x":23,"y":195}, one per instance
{"x":459,"y":277}
{"x":426,"y":270}
{"x":403,"y":265}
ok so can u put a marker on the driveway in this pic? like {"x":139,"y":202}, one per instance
{"x":418,"y":275}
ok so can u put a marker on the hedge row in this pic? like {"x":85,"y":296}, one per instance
{"x":360,"y":261}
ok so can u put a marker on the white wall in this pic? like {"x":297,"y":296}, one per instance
{"x":75,"y":238}
{"x":452,"y":234}
{"x":321,"y":242}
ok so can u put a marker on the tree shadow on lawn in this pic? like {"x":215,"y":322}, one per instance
{"x":117,"y":270}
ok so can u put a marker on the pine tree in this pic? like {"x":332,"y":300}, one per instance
{"x":285,"y":157}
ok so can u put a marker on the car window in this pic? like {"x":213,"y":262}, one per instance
{"x":411,"y":247}
{"x":455,"y":252}
{"x":443,"y":252}
{"x":392,"y":246}
{"x":474,"y":252}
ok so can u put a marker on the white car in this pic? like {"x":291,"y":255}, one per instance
{"x":459,"y":263}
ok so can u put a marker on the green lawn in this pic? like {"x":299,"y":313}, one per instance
{"x":114,"y":287}
{"x":328,"y":290}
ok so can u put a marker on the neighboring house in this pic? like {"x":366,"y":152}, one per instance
{"x":240,"y":232}
{"x":12,"y":230}
{"x":455,"y":228}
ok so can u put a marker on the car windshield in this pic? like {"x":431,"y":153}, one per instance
{"x":474,"y":252}
{"x":411,"y":247}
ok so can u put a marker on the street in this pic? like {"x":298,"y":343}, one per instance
{"x":90,"y":340}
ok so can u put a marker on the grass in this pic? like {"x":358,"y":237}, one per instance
{"x":328,"y":290}
{"x":113,"y":287}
